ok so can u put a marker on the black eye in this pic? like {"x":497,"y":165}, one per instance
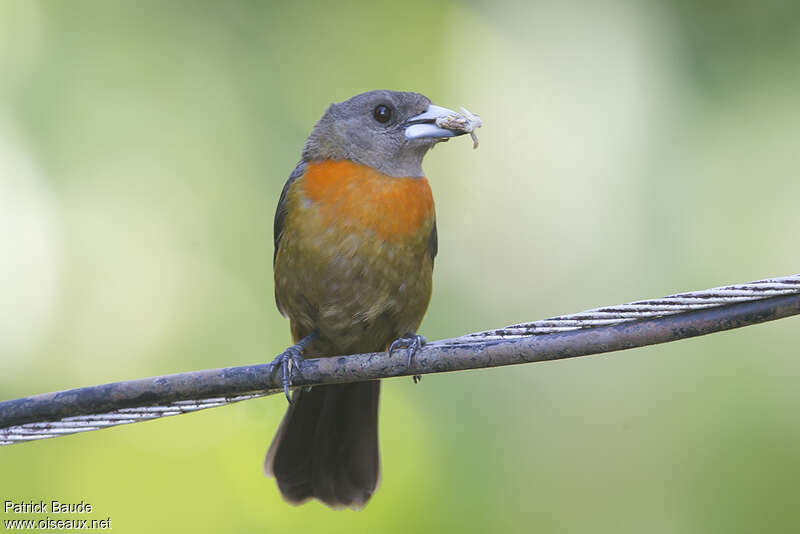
{"x":382,"y":113}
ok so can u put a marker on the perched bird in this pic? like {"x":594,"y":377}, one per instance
{"x":355,"y":242}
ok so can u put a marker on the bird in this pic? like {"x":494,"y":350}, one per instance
{"x":355,"y":242}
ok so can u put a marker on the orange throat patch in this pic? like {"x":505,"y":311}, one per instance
{"x":358,"y":195}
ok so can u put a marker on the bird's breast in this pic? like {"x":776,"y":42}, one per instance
{"x":356,"y":197}
{"x":355,"y":259}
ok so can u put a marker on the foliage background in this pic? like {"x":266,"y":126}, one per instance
{"x":631,"y":150}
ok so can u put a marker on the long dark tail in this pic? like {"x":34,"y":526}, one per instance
{"x":327,"y":446}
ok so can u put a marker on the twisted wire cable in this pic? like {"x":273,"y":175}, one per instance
{"x":599,"y":330}
{"x":644,"y":309}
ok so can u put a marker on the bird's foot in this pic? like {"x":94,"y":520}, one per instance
{"x":290,"y":359}
{"x":412,"y":343}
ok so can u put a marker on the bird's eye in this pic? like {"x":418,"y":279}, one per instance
{"x":382,"y":113}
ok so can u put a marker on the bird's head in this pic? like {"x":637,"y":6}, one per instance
{"x":389,"y":131}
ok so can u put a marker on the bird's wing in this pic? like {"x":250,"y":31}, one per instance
{"x":280,"y":211}
{"x":433,"y":241}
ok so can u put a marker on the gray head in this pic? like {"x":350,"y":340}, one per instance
{"x":387,"y":130}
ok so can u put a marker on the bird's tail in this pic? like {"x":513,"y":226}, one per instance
{"x":327,"y":446}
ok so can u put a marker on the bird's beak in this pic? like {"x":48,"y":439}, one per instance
{"x":436,"y":122}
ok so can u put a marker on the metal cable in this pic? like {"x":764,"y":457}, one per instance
{"x":593,"y":331}
{"x":124,"y":416}
{"x":642,"y":309}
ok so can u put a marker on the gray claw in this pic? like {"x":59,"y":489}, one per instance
{"x":412,"y":342}
{"x":292,"y":358}
{"x":288,"y":360}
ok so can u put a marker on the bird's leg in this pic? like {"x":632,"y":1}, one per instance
{"x":412,"y":343}
{"x":291,"y":358}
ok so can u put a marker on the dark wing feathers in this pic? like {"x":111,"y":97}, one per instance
{"x":280,"y":212}
{"x":433,"y":241}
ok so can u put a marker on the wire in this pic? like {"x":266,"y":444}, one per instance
{"x":600,"y":330}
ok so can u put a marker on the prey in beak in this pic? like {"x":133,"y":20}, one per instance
{"x":441,"y":123}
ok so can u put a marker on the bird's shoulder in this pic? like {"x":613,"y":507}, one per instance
{"x":280,"y":211}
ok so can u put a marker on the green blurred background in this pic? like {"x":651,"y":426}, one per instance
{"x":631,"y":150}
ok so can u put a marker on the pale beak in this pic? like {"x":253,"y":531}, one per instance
{"x":433,"y":124}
